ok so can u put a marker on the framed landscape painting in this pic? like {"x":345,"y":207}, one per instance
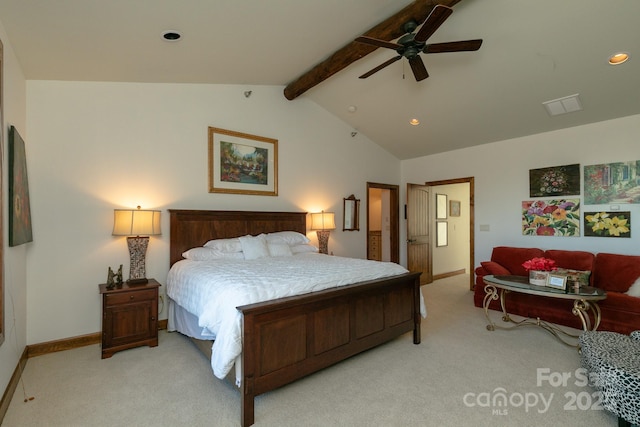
{"x":240,"y":163}
{"x":612,"y":183}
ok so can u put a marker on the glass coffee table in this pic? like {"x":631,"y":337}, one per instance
{"x":585,"y":304}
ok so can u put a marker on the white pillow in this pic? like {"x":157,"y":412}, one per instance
{"x":254,"y":247}
{"x":225,"y":245}
{"x":207,"y":254}
{"x":300,"y":249}
{"x":634,"y":290}
{"x":291,"y":238}
{"x":279,"y":249}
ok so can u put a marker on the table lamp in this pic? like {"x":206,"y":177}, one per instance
{"x":137,"y":225}
{"x":323,"y":222}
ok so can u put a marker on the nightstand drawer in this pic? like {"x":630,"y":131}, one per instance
{"x":130,"y":297}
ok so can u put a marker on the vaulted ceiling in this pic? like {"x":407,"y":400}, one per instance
{"x":533,"y":51}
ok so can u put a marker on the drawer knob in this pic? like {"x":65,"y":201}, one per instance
{"x":131,"y":297}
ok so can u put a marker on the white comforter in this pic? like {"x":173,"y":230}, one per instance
{"x":211,"y":290}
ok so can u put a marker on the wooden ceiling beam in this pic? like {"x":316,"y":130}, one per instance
{"x":389,"y":29}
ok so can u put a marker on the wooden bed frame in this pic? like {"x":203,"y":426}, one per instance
{"x":288,"y":338}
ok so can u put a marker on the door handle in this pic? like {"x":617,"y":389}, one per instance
{"x":411,"y":240}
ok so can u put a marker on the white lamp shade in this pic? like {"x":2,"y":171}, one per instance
{"x":136,"y":222}
{"x":323,"y":221}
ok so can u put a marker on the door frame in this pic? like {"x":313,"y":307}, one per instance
{"x":472,"y":239}
{"x":394,"y":218}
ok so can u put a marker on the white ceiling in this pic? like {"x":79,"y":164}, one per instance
{"x":533,"y":51}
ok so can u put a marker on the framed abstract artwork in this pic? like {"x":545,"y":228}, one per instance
{"x":555,"y":181}
{"x":20,"y":208}
{"x":454,"y":208}
{"x":240,"y":163}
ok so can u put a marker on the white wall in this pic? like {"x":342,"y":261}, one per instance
{"x":14,"y":268}
{"x":93,"y":147}
{"x":501,"y":172}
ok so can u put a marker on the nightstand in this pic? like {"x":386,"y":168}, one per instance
{"x":129,"y":316}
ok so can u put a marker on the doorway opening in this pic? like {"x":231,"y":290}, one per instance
{"x":439,"y":232}
{"x":383,"y":224}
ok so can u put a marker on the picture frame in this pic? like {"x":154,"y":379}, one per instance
{"x":441,"y":206}
{"x":555,"y":181}
{"x":557,"y":281}
{"x":614,"y":224}
{"x":442,"y":234}
{"x":454,"y":208}
{"x":241,"y":163}
{"x":20,"y":231}
{"x":612,"y":183}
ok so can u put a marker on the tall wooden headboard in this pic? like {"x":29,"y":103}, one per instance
{"x":192,"y":228}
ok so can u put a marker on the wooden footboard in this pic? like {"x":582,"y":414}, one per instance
{"x":289,"y":338}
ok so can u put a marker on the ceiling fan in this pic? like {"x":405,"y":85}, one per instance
{"x":411,"y":45}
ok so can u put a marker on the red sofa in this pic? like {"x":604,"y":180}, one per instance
{"x":611,"y":272}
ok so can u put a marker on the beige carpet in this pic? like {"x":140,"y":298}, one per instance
{"x":450,"y":379}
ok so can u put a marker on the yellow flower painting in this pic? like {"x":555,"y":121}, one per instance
{"x":607,"y":224}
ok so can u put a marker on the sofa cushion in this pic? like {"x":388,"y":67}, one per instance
{"x":615,"y":272}
{"x":495,"y":268}
{"x":574,"y":260}
{"x":582,"y":276}
{"x":512,"y":258}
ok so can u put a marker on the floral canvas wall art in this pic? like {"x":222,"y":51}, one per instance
{"x":612,"y":183}
{"x":555,"y":217}
{"x":554,"y":181}
{"x":607,"y":224}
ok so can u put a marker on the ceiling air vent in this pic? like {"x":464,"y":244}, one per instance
{"x":568,"y":104}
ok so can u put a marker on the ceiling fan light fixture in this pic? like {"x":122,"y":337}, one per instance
{"x":618,"y":58}
{"x":171,"y":36}
{"x":414,"y":122}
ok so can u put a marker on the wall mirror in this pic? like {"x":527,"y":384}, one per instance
{"x":351,"y":214}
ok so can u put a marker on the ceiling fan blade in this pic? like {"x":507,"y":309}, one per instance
{"x":418,"y":68}
{"x":437,"y":16}
{"x":380,"y":67}
{"x":459,"y":46}
{"x":378,"y":43}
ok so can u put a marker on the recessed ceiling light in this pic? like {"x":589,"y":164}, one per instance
{"x":352,"y":109}
{"x":618,"y":58}
{"x":171,"y":35}
{"x":414,"y":122}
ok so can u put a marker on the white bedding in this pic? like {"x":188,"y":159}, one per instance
{"x":211,"y":290}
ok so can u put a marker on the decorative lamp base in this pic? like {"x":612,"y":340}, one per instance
{"x":323,"y":241}
{"x":137,"y":250}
